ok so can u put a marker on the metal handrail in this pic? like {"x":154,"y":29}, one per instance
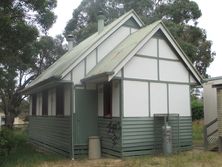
{"x":208,"y":135}
{"x":215,"y":131}
{"x":211,"y":123}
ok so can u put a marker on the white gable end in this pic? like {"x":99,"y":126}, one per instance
{"x":165,"y":51}
{"x":141,"y":68}
{"x":112,"y":41}
{"x":192,"y":80}
{"x":78,"y":73}
{"x":148,"y":64}
{"x":149,"y":49}
{"x":90,"y":61}
{"x":93,"y":58}
{"x":173,"y":71}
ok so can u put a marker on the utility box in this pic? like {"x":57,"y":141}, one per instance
{"x":167,"y":139}
{"x":166,"y":133}
{"x":94,"y":147}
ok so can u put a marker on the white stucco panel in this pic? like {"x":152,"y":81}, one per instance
{"x":173,"y":71}
{"x":78,"y":73}
{"x":165,"y":51}
{"x":100,"y":100}
{"x":192,"y":80}
{"x":115,"y":98}
{"x":90,"y":61}
{"x":135,"y":99}
{"x":179,"y":99}
{"x":112,"y":41}
{"x":68,"y":77}
{"x":133,"y":30}
{"x":158,"y":98}
{"x":119,"y":74}
{"x":141,"y":68}
{"x":149,"y":49}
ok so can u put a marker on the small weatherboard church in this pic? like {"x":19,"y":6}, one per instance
{"x":118,"y":84}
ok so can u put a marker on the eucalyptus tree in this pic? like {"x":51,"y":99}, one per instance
{"x":180,"y":16}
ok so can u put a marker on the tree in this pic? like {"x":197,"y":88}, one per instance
{"x":180,"y":16}
{"x":21,"y":53}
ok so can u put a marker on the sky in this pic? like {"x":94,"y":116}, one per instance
{"x":210,"y":21}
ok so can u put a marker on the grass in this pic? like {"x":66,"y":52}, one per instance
{"x":198,"y":132}
{"x":26,"y":156}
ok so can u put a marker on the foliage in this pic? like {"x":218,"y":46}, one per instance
{"x":7,"y":142}
{"x":23,"y":55}
{"x":21,"y":153}
{"x":180,"y":16}
{"x":197,"y":109}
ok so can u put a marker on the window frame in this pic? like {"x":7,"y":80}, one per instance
{"x":107,"y":100}
{"x":34,"y":104}
{"x":60,"y":100}
{"x":45,"y":103}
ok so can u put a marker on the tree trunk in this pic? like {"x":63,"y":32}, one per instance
{"x":9,"y":120}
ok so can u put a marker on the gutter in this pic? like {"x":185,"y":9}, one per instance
{"x":97,"y":78}
{"x":212,"y":79}
{"x":29,"y":88}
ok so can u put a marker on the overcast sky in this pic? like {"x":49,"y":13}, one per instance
{"x":210,"y":21}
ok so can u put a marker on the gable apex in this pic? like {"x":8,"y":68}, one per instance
{"x":73,"y":57}
{"x":114,"y":62}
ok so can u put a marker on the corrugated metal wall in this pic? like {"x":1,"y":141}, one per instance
{"x":219,"y":110}
{"x":51,"y":133}
{"x":139,"y":138}
{"x":110,"y":135}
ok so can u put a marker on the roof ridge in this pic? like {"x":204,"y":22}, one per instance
{"x":75,"y":53}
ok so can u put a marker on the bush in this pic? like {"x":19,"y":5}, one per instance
{"x":197,"y":109}
{"x":7,"y":141}
{"x":10,"y":140}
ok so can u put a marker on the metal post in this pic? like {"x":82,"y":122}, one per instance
{"x":205,"y":138}
{"x":72,"y":121}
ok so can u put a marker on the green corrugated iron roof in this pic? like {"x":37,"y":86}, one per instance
{"x":108,"y":64}
{"x":72,"y":56}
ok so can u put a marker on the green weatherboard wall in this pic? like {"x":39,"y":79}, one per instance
{"x":110,"y":134}
{"x":51,"y":133}
{"x":134,"y":136}
{"x":139,"y":135}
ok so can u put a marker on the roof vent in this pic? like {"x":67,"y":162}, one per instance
{"x":101,"y":19}
{"x":70,"y":40}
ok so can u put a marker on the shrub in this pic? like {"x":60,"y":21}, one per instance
{"x":7,"y":142}
{"x":197,"y":109}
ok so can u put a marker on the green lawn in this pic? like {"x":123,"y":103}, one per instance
{"x":24,"y":155}
{"x":198,"y":133}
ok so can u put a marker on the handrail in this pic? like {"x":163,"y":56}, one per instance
{"x":215,"y":131}
{"x":211,"y":123}
{"x":208,"y":135}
